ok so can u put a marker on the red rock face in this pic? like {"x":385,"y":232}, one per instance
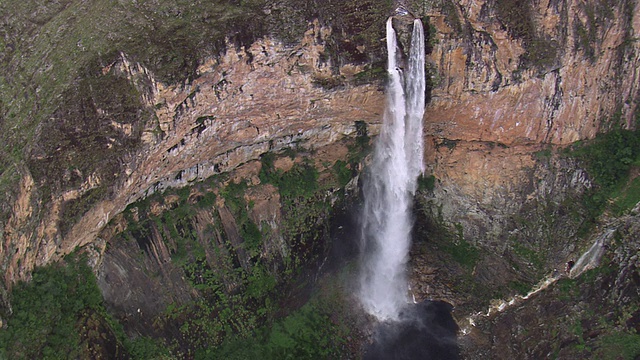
{"x":483,"y":93}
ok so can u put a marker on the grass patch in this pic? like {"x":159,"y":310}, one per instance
{"x":567,"y":288}
{"x":619,"y":345}
{"x":531,"y":256}
{"x":626,"y":198}
{"x":543,"y":154}
{"x":520,"y":287}
{"x":464,"y":253}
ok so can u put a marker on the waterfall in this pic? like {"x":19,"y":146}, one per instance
{"x":392,"y":181}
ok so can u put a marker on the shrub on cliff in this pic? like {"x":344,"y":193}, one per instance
{"x":46,"y":312}
{"x":610,"y":156}
{"x":608,"y":159}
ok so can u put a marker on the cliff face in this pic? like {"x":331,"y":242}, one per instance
{"x":500,"y":92}
{"x":511,"y":82}
{"x":549,"y":84}
{"x":242,"y":105}
{"x":593,"y":315}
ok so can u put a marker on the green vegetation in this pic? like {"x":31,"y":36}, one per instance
{"x":619,"y":345}
{"x":301,"y":181}
{"x":531,"y":256}
{"x":145,"y":348}
{"x":520,"y":287}
{"x":307,"y":333}
{"x":46,"y":311}
{"x":463,"y":253}
{"x":610,"y":156}
{"x":317,"y":330}
{"x":211,"y":262}
{"x":362,"y":135}
{"x":543,"y":154}
{"x":233,"y":195}
{"x":596,"y":333}
{"x":373,"y":73}
{"x":627,"y":197}
{"x":60,"y":314}
{"x":570,"y":288}
{"x":305,"y":207}
{"x":239,"y":289}
{"x":567,"y":288}
{"x":343,"y":173}
{"x":609,"y":159}
{"x":362,"y":146}
{"x":426,"y":183}
{"x":451,"y":242}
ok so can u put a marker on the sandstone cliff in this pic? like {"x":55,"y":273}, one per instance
{"x":244,"y":104}
{"x":511,"y":83}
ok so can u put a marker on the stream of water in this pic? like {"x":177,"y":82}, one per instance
{"x":391,"y":182}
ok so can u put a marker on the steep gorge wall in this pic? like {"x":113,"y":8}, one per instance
{"x":513,"y":83}
{"x":248,"y":102}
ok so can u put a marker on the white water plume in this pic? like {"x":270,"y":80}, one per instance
{"x":392,"y":181}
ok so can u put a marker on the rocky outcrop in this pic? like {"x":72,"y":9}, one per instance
{"x":506,"y":98}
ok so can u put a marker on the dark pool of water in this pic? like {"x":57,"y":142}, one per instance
{"x":427,"y":331}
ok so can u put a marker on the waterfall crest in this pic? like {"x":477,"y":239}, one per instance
{"x":392,"y":181}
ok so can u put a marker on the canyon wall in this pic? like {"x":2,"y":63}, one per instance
{"x":242,"y":105}
{"x":510,"y":85}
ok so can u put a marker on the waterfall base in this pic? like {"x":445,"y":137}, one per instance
{"x":425,"y":331}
